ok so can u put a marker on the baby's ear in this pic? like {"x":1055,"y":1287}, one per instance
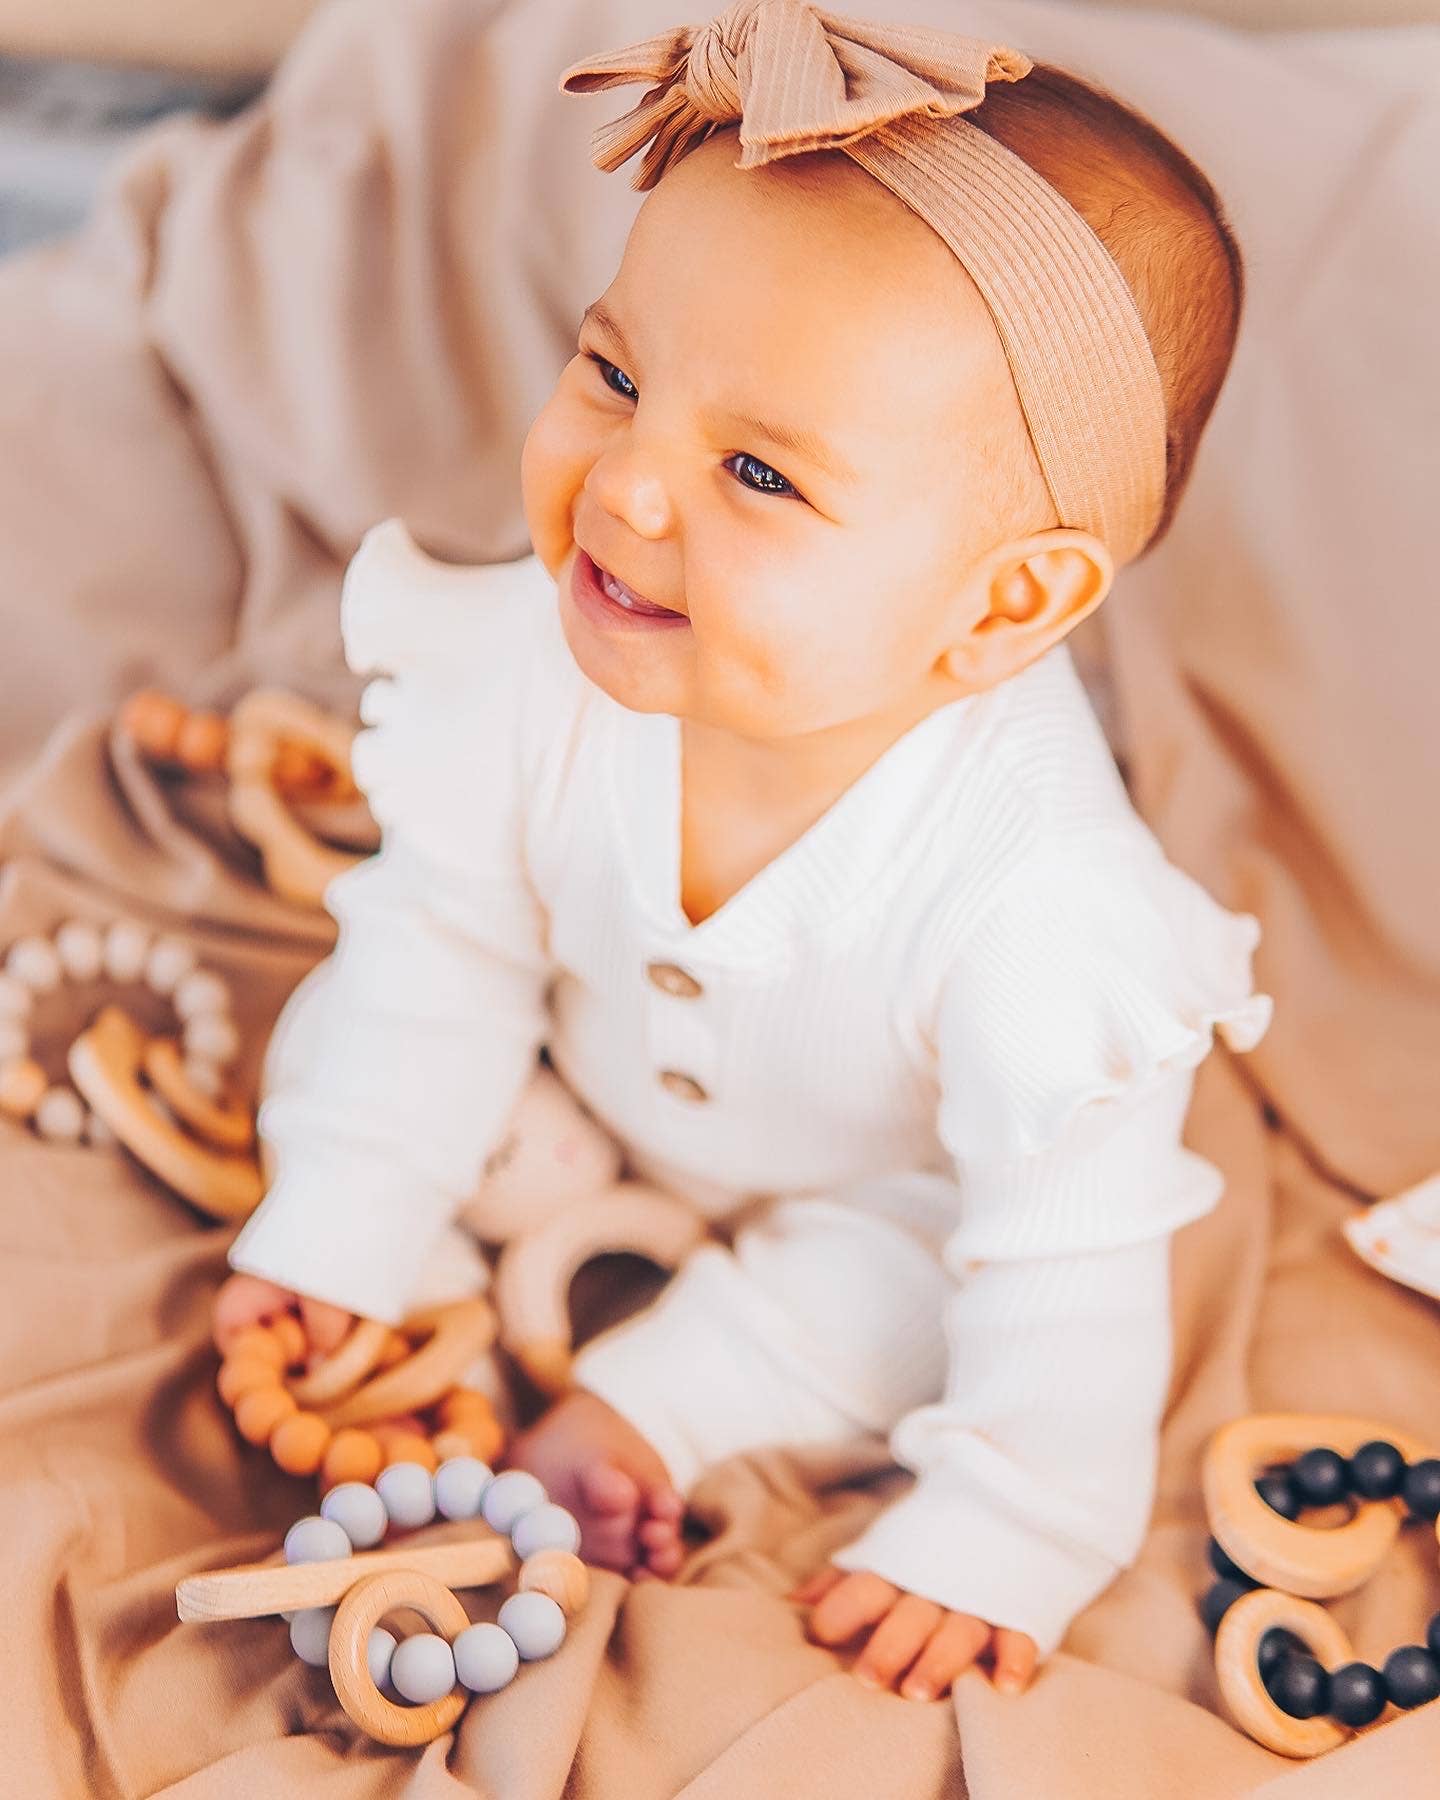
{"x":1022,"y":598}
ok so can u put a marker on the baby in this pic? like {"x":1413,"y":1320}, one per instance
{"x":766,"y":796}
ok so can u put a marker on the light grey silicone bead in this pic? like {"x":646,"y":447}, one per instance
{"x":359,"y":1512}
{"x":516,"y":1491}
{"x":408,"y":1490}
{"x":379,"y":1648}
{"x":535,"y":1622}
{"x":460,"y":1484}
{"x":545,"y":1528}
{"x":485,"y":1658}
{"x":310,"y":1635}
{"x":314,"y":1539}
{"x":422,"y":1668}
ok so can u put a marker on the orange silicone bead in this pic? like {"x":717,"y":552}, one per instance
{"x":22,"y":1083}
{"x":452,"y":1443}
{"x":200,"y":742}
{"x":407,"y":1446}
{"x":154,"y":721}
{"x":352,"y":1456}
{"x":261,"y":1410}
{"x":289,"y":1334}
{"x":464,"y":1404}
{"x":298,"y":1443}
{"x":241,"y":1375}
{"x":255,"y":1341}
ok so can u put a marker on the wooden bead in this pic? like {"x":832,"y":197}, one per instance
{"x":22,"y":1083}
{"x":60,"y":1115}
{"x":200,"y":742}
{"x":259,"y":1342}
{"x":406,"y":1447}
{"x":154,"y":720}
{"x":289,"y":1334}
{"x":261,"y":1410}
{"x":351,"y":1456}
{"x":298,"y":1443}
{"x":559,"y":1574}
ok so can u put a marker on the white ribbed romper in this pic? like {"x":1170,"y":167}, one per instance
{"x":940,"y":1056}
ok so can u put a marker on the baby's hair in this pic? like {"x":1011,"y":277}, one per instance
{"x":1161,"y":220}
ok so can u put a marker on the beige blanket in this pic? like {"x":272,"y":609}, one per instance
{"x":348,"y":304}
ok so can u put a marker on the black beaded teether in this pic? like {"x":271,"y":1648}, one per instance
{"x":1357,"y":1693}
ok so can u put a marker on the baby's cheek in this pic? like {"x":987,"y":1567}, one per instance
{"x":553,"y":465}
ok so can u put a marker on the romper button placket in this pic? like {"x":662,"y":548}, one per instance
{"x":672,"y":980}
{"x":684,"y":1087}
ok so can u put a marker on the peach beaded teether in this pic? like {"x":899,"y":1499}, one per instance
{"x":357,"y":1411}
{"x":335,"y":1588}
{"x":1283,"y":1662}
{"x":165,"y":1099}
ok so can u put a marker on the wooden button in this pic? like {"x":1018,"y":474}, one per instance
{"x":684,"y":1087}
{"x":673,"y":980}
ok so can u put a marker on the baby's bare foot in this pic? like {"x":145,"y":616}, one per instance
{"x":595,"y":1463}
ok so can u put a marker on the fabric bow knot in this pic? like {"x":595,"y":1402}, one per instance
{"x":796,"y":79}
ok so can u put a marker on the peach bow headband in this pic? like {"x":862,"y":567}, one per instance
{"x":796,"y":79}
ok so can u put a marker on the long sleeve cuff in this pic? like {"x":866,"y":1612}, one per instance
{"x":953,"y":1546}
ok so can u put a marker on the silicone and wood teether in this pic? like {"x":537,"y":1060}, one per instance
{"x":1287,"y":1671}
{"x":166,"y":1099}
{"x":363,"y":1407}
{"x":336,"y":1588}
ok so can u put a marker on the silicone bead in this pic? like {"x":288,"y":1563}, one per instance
{"x":509,"y":1495}
{"x":359,"y":1512}
{"x":315,"y":1539}
{"x":460,"y":1486}
{"x":379,"y":1648}
{"x":16,"y":1000}
{"x":310,"y":1635}
{"x":399,"y":1445}
{"x":60,"y":1115}
{"x":212,"y":1037}
{"x":1220,"y":1596}
{"x":201,"y":741}
{"x":1432,"y":1635}
{"x":1411,"y":1676}
{"x":170,"y":960}
{"x":35,"y":963}
{"x":14,"y":1040}
{"x":1224,"y":1567}
{"x":1376,"y":1471}
{"x":1299,"y":1687}
{"x":289,"y":1334}
{"x":408,"y":1491}
{"x":22,"y":1085}
{"x":1279,"y":1495}
{"x":535,"y":1622}
{"x":1357,"y":1694}
{"x":241,"y":1375}
{"x":126,"y":947}
{"x":81,"y":950}
{"x":1276,"y":1644}
{"x":1320,"y":1477}
{"x":258,"y":1344}
{"x":154,"y":720}
{"x":260,"y":1411}
{"x":485,"y":1658}
{"x":547,"y":1527}
{"x":422,"y":1668}
{"x":202,"y":991}
{"x":353,"y":1456}
{"x":298,"y":1444}
{"x":204,"y":1076}
{"x":1421,"y":1487}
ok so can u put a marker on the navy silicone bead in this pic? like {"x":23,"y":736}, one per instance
{"x":1412,"y":1676}
{"x":1320,"y":1477}
{"x":1300,"y":1687}
{"x":1376,"y":1470}
{"x":1421,"y":1488}
{"x":1432,"y":1635}
{"x":1279,"y":1495}
{"x":1357,"y":1694}
{"x":1218,"y":1599}
{"x":1276,"y":1644}
{"x":1225,"y":1568}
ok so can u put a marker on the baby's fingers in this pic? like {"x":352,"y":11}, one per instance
{"x":325,"y":1325}
{"x":851,"y":1605}
{"x":816,"y":1588}
{"x":1014,"y":1660}
{"x":955,"y":1645}
{"x":897,"y":1640}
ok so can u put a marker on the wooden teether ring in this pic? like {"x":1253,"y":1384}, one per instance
{"x":357,"y":1616}
{"x":227,"y":1124}
{"x":105,"y":1063}
{"x":1237,"y":1663}
{"x":1312,"y":1561}
{"x":298,"y":865}
{"x":456,"y":1336}
{"x":346,"y":1367}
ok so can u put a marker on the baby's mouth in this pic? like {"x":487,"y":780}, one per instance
{"x":626,"y":596}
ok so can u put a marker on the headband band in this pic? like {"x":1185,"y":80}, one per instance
{"x":798,"y":79}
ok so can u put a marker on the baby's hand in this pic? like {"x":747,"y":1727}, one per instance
{"x":908,"y":1633}
{"x":245,"y":1300}
{"x":599,"y":1466}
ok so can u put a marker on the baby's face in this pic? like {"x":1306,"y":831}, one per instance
{"x":791,"y":421}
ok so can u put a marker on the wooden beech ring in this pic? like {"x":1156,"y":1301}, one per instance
{"x":1313,"y":1561}
{"x":105,"y":1063}
{"x":534,"y":1271}
{"x":345,"y":1367}
{"x":1237,"y":1664}
{"x":226,"y":1124}
{"x":457,"y":1335}
{"x":297,"y":865}
{"x":356,"y":1617}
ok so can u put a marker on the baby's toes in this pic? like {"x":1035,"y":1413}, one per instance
{"x":608,"y":1544}
{"x":608,"y":1492}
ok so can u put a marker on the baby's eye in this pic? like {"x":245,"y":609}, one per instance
{"x":767,"y":480}
{"x":628,"y":392}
